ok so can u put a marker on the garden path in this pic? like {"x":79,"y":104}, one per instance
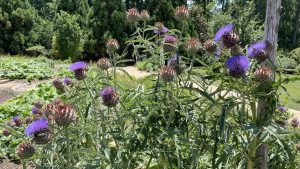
{"x":12,"y":88}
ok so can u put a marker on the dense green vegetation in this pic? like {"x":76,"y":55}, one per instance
{"x":25,"y":24}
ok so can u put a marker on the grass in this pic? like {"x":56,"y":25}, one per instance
{"x":292,"y":98}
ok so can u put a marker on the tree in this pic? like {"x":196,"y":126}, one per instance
{"x":106,"y":20}
{"x":17,"y":18}
{"x":264,"y":107}
{"x":67,"y":40}
{"x":297,"y":25}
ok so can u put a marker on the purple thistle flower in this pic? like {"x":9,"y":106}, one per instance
{"x":256,"y":48}
{"x":281,"y":108}
{"x":36,"y":126}
{"x":170,"y":39}
{"x":79,"y":69}
{"x":78,"y":66}
{"x":16,"y":118}
{"x":161,"y":31}
{"x":35,"y":110}
{"x":237,"y":65}
{"x":222,"y":31}
{"x":107,"y":91}
{"x":67,"y":81}
{"x":109,"y":96}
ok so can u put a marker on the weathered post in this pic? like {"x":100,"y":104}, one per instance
{"x":270,"y":36}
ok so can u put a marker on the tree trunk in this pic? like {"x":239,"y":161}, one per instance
{"x":264,"y":105}
{"x":297,"y":24}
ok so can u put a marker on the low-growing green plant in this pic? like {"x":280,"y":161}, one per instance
{"x":25,"y":68}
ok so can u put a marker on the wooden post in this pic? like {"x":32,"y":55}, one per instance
{"x":270,"y":36}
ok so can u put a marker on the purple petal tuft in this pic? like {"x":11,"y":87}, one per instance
{"x":225,"y":29}
{"x":36,"y":126}
{"x":77,"y":66}
{"x":255,"y":48}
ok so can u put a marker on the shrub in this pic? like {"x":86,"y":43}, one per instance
{"x":67,"y":40}
{"x":295,"y":54}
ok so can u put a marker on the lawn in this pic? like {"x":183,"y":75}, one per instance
{"x":292,"y":98}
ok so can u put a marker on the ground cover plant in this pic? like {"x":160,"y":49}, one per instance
{"x":98,"y":120}
{"x":18,"y":67}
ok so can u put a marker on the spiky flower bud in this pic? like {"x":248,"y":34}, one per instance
{"x":42,"y":137}
{"x":263,"y":74}
{"x":181,"y":13}
{"x":167,"y":73}
{"x":109,"y":96}
{"x":68,"y":81}
{"x":5,"y":132}
{"x":170,"y":44}
{"x":79,"y":69}
{"x":64,"y":114}
{"x":112,"y":45}
{"x":160,"y":28}
{"x":177,"y":64}
{"x":295,"y":122}
{"x":144,"y":15}
{"x":18,"y":121}
{"x":104,"y":63}
{"x":230,"y":39}
{"x":28,"y":119}
{"x":38,"y":104}
{"x":59,"y":86}
{"x":25,"y":150}
{"x":236,"y":50}
{"x":210,"y":46}
{"x":133,"y":15}
{"x":193,"y":45}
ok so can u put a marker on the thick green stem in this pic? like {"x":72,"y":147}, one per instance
{"x":67,"y":147}
{"x":24,"y":164}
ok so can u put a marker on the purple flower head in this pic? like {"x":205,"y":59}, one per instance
{"x":77,"y":66}
{"x":36,"y":126}
{"x":170,"y":39}
{"x":67,"y":81}
{"x":222,"y":31}
{"x":16,"y":119}
{"x":237,"y":65}
{"x":281,"y":108}
{"x":107,"y":91}
{"x":109,"y":96}
{"x":79,"y":69}
{"x":35,"y":110}
{"x":254,"y":49}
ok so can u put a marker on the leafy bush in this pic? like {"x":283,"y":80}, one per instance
{"x":295,"y":54}
{"x":37,"y":50}
{"x":287,"y":63}
{"x":67,"y":40}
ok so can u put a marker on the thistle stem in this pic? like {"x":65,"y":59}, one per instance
{"x":23,"y":164}
{"x":68,"y":147}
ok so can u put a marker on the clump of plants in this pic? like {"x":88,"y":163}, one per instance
{"x":24,"y":68}
{"x":177,"y":121}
